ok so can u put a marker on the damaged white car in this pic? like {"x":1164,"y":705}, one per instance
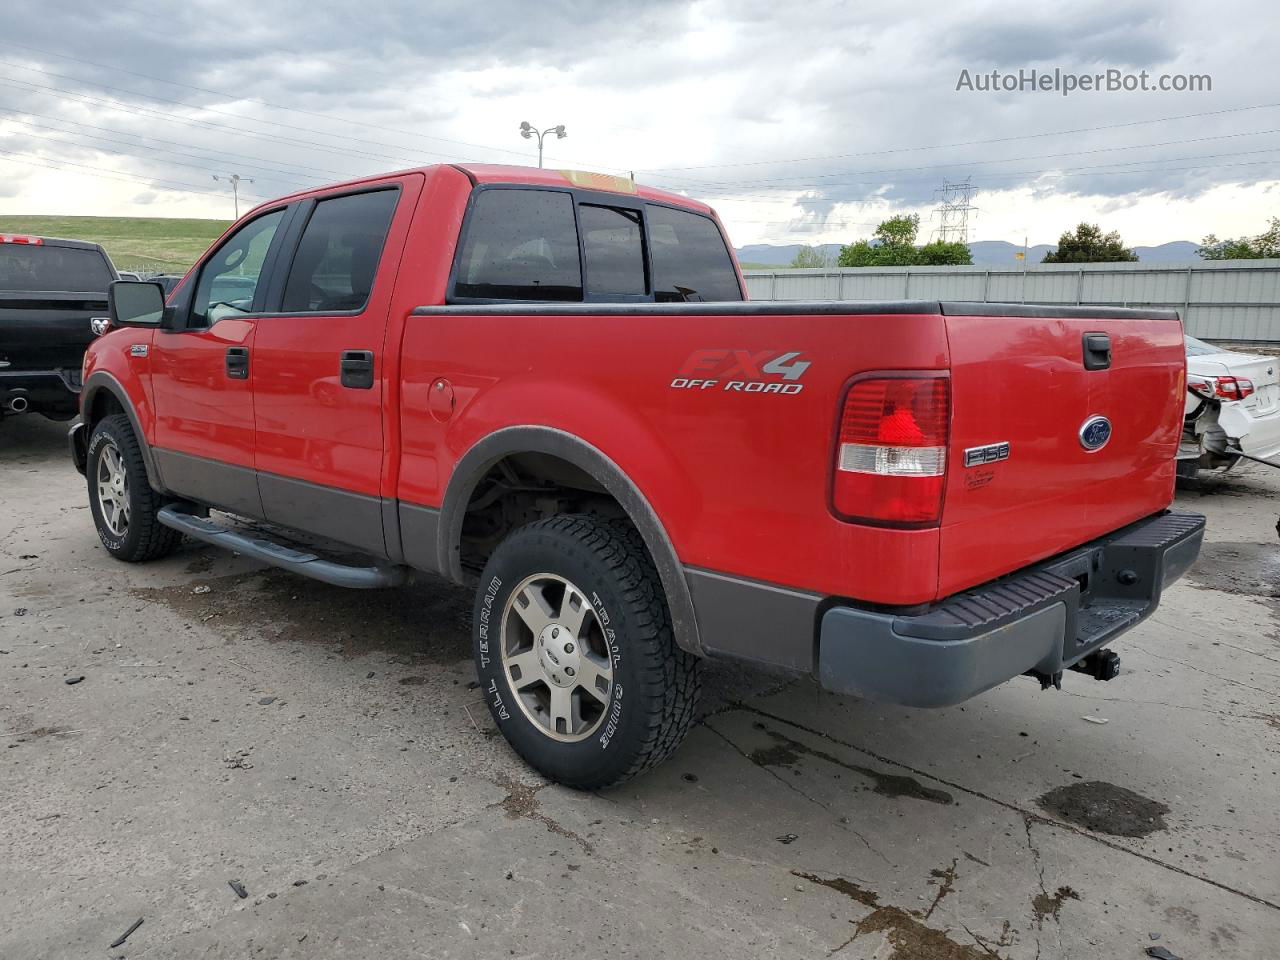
{"x":1233,"y":408}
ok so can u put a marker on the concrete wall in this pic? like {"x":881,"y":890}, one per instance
{"x":1232,"y":300}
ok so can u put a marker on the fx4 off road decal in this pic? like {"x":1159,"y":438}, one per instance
{"x":742,"y":371}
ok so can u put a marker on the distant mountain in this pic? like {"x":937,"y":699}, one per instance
{"x":999,"y":253}
{"x":780,"y":254}
{"x":986,"y":253}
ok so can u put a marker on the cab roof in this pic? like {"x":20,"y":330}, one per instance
{"x":487,"y":173}
{"x":582,"y":179}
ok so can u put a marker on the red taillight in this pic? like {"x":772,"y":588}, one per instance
{"x":31,"y":241}
{"x":891,"y":456}
{"x":1233,"y":388}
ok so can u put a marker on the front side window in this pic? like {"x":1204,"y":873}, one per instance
{"x":337,"y":258}
{"x":229,"y":279}
{"x":690,"y":260}
{"x":520,"y":245}
{"x":613,"y":251}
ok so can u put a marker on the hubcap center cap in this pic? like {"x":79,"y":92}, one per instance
{"x":558,"y":655}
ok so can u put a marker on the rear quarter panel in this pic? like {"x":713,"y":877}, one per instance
{"x":740,"y":480}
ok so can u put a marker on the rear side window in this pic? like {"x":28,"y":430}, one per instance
{"x":613,"y":250}
{"x":337,"y":258}
{"x":690,"y":260}
{"x":41,"y":267}
{"x":520,"y":245}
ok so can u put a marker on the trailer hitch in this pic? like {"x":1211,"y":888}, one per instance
{"x":1101,"y":665}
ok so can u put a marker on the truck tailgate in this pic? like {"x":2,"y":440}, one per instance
{"x":1023,"y":483}
{"x":46,"y":330}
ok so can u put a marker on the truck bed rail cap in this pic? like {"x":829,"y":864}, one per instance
{"x":954,"y":308}
{"x":752,"y":308}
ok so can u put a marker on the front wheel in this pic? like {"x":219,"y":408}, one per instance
{"x":123,"y":504}
{"x":575,"y":652}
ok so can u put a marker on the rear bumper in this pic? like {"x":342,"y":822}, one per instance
{"x":1042,"y":619}
{"x":1257,"y":435}
{"x":52,"y":392}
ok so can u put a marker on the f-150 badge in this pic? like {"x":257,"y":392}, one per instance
{"x":742,"y":371}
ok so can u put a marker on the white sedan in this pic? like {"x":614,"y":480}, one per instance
{"x":1232,"y":407}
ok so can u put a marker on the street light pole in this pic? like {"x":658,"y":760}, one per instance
{"x":235,"y":180}
{"x":528,"y":131}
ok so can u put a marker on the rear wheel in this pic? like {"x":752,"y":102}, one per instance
{"x":575,"y":652}
{"x":123,"y":504}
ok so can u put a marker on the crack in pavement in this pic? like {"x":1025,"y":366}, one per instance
{"x":1038,"y":818}
{"x":787,"y":783}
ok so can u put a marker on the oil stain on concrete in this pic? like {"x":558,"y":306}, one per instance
{"x":429,"y":619}
{"x":1249,"y":569}
{"x":904,"y":931}
{"x":786,"y":752}
{"x":1105,"y":808}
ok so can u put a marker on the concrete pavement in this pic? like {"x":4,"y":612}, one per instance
{"x":325,"y":749}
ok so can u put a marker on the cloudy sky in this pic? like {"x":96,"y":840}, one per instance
{"x":799,"y":122}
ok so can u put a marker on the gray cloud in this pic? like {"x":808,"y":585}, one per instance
{"x":866,"y":90}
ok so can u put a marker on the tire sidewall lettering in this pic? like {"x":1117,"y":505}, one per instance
{"x":96,"y":443}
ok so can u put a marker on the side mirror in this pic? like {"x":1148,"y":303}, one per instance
{"x":136,"y":303}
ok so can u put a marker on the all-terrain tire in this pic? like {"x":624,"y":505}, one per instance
{"x":653,"y":695}
{"x":143,"y":536}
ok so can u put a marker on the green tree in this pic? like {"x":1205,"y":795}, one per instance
{"x":894,"y":245}
{"x":943,"y":254}
{"x":860,"y":253}
{"x":1265,"y":246}
{"x":811,"y":258}
{"x":1088,"y":244}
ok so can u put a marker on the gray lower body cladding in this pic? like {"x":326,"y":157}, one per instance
{"x":1044,"y":619}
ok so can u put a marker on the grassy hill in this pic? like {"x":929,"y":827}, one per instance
{"x":154,"y":244}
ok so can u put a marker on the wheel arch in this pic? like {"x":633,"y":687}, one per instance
{"x":96,"y":401}
{"x":486,"y":453}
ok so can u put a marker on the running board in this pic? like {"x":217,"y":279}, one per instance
{"x":280,"y":555}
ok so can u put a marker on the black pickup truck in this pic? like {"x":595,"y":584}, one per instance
{"x":50,"y":290}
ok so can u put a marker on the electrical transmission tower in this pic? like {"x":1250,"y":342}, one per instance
{"x":955,"y":203}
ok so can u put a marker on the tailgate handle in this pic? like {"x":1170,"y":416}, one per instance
{"x":357,"y":369}
{"x":1097,"y":351}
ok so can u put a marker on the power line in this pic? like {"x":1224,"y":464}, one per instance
{"x":269,"y":104}
{"x":170,"y":118}
{"x":259,"y":100}
{"x":971,"y":163}
{"x":209,"y":161}
{"x":971,"y":143}
{"x":1041,"y":173}
{"x":215,"y":110}
{"x":174,"y":143}
{"x":146,"y":181}
{"x":1088,"y":173}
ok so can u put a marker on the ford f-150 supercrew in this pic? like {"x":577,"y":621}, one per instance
{"x":548,"y":385}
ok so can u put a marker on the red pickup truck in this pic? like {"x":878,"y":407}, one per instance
{"x":549,"y":385}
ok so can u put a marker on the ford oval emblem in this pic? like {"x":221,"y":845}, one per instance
{"x":1095,"y":433}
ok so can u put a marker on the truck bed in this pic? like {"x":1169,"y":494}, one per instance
{"x":742,"y":476}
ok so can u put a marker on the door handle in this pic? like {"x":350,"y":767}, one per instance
{"x":1097,"y":351}
{"x":238,"y":363}
{"x":357,"y":369}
